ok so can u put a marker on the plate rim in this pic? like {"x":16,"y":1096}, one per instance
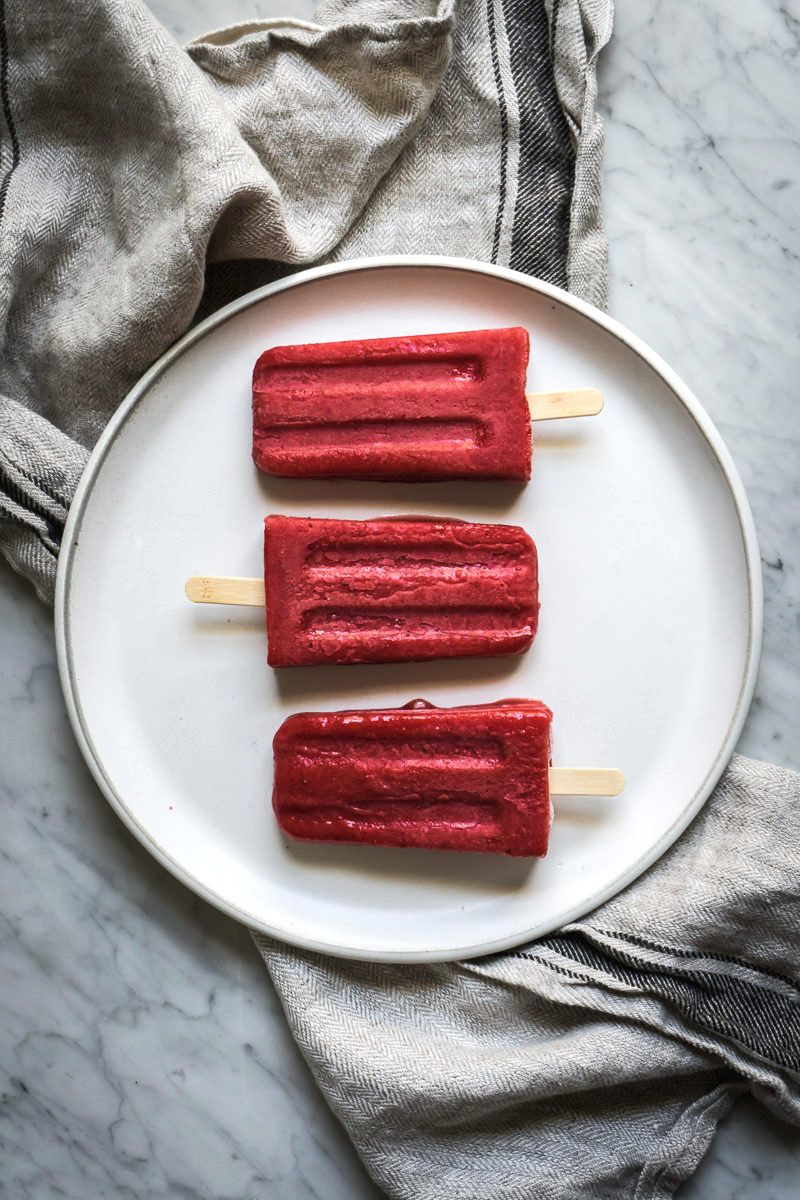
{"x":71,"y":537}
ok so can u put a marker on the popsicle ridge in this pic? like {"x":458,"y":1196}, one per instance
{"x":478,"y":751}
{"x":369,"y":551}
{"x":305,"y":437}
{"x":412,"y":622}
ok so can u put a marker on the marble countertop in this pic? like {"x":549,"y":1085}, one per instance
{"x":122,"y":992}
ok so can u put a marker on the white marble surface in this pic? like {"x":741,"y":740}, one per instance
{"x":142,"y":1050}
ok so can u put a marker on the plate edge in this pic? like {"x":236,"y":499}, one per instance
{"x":646,"y":354}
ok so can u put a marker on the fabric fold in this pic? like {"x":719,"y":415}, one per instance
{"x":134,"y":163}
{"x":627,"y":1034}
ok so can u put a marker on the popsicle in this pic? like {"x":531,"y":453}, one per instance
{"x":472,"y":778}
{"x":428,"y":406}
{"x":389,"y":590}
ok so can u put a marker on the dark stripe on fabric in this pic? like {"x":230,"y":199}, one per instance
{"x":748,"y":1011}
{"x":679,"y":952}
{"x":501,"y":102}
{"x":551,"y":966}
{"x":5,"y":103}
{"x":553,"y":22}
{"x":546,"y":172}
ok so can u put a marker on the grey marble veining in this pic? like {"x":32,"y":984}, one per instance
{"x":701,"y":202}
{"x":142,"y":1050}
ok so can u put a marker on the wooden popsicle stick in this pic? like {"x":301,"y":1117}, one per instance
{"x":564,"y":781}
{"x":586,"y":781}
{"x":549,"y":406}
{"x":221,"y":589}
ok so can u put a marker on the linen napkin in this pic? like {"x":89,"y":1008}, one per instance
{"x":595,"y":1062}
{"x":141,"y":186}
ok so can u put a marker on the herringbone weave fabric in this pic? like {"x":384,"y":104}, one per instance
{"x":593,"y":1063}
{"x":142,"y":186}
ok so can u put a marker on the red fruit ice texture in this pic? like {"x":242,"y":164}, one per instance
{"x":431,"y":406}
{"x":396,"y":589}
{"x":473,"y":778}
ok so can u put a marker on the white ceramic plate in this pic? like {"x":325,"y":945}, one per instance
{"x":647,"y":648}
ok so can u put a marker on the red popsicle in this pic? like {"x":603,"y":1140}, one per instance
{"x":430,"y":406}
{"x":396,"y":589}
{"x":472,"y":778}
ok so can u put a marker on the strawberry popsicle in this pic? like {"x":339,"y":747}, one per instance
{"x":396,"y":589}
{"x":430,"y":406}
{"x":472,"y":778}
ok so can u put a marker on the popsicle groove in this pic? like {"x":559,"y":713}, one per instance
{"x":409,"y":622}
{"x":363,"y":553}
{"x":356,"y":372}
{"x":428,"y":752}
{"x":306,"y":437}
